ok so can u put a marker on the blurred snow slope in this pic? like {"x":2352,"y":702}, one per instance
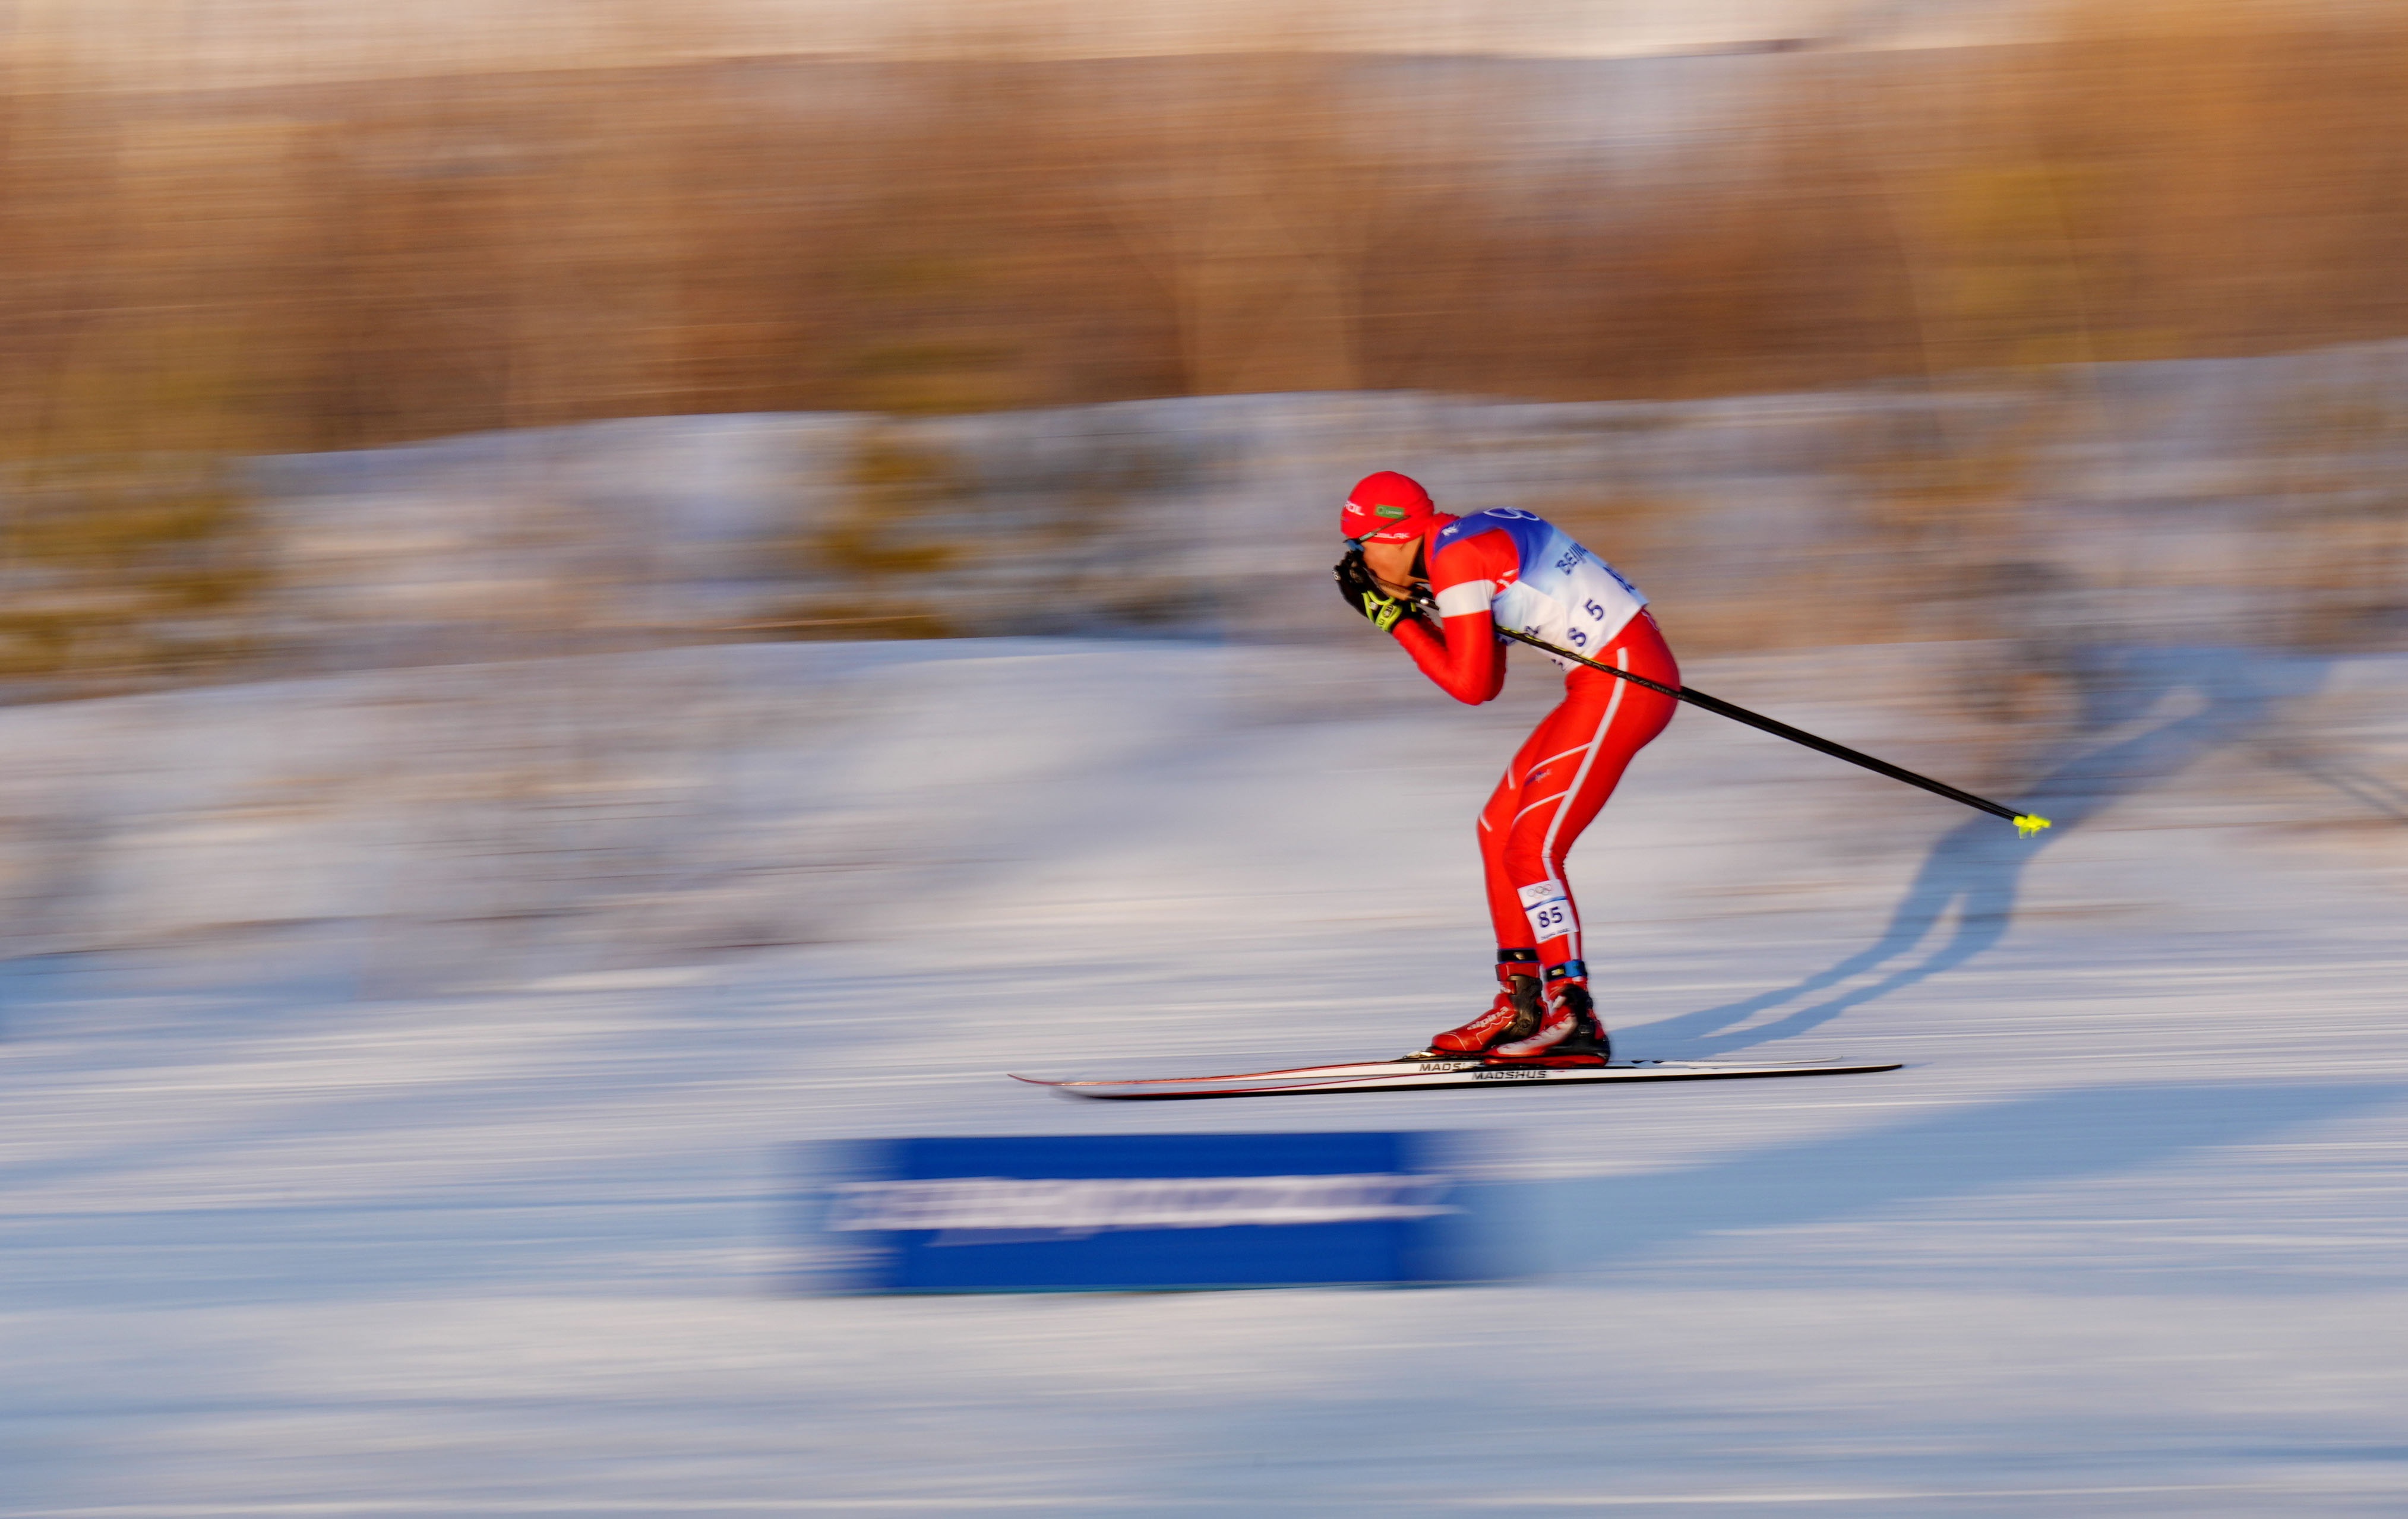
{"x":2250,"y":500}
{"x":398,"y":1122}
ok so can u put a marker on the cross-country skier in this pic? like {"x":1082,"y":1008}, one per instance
{"x":1501,"y":567}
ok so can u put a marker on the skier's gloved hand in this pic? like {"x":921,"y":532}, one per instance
{"x":1363,"y":592}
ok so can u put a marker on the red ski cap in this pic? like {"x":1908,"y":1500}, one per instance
{"x":1387,"y":507}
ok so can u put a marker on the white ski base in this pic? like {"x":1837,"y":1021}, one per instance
{"x":1409,"y":1075}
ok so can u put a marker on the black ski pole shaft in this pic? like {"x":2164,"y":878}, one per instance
{"x":2026,"y":823}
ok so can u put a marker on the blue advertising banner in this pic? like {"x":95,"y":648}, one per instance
{"x":1135,"y":1213}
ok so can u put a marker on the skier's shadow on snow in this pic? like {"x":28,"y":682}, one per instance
{"x":1977,"y":868}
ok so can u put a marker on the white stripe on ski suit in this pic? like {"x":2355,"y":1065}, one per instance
{"x":1526,"y":780}
{"x":1544,"y":763}
{"x":1547,"y":846}
{"x":1541,"y":802}
{"x":1470,"y":596}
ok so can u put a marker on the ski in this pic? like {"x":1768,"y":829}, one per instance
{"x":1416,"y":1075}
{"x":1401,"y":1066}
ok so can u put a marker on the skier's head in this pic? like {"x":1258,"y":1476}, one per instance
{"x":1388,"y":508}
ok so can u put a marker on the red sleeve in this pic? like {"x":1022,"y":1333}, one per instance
{"x":1466,"y":659}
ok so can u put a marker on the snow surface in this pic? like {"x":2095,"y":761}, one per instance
{"x":399,"y":1123}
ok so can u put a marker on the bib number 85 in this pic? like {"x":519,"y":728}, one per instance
{"x":1549,"y":909}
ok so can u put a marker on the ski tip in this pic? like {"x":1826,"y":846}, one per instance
{"x":2028,"y":824}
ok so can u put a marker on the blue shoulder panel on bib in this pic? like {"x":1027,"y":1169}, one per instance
{"x":1527,"y":529}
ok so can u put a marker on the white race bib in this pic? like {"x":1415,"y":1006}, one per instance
{"x":1549,"y":908}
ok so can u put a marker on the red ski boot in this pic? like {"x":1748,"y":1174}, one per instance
{"x":1568,"y":1026}
{"x":1513,"y":1015}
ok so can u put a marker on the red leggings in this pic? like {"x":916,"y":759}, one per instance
{"x":1558,"y":783}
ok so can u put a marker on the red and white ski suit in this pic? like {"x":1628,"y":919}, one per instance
{"x":1516,"y":569}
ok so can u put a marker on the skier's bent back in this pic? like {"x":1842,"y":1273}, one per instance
{"x":1516,"y":569}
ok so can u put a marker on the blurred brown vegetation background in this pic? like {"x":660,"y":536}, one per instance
{"x":189,"y":276}
{"x":349,"y":264}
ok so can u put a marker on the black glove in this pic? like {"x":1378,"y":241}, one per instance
{"x":1363,"y":592}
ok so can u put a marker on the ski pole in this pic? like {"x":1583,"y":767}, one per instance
{"x":2026,"y":824}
